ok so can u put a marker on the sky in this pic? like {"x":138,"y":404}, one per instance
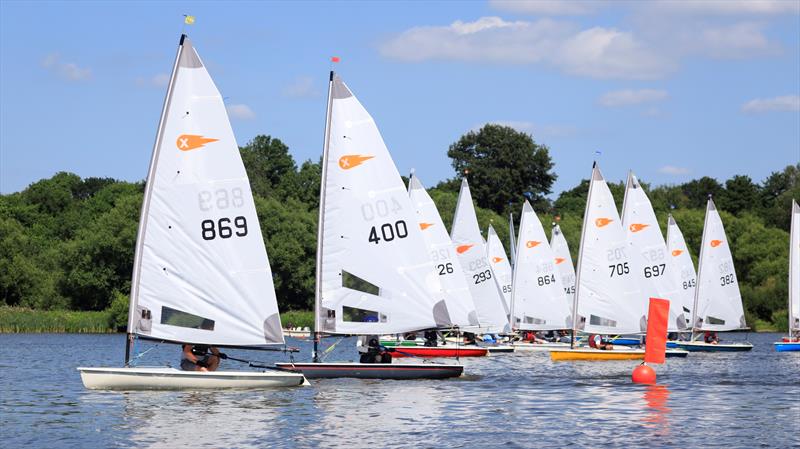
{"x":673,"y":90}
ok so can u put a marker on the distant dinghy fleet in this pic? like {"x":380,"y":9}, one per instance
{"x":387,"y":268}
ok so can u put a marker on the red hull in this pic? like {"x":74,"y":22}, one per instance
{"x":437,"y":351}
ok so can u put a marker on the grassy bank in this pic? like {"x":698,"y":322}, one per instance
{"x":19,"y":320}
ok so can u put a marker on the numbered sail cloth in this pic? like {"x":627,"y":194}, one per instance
{"x":501,"y":268}
{"x":681,"y":262}
{"x":717,"y":301}
{"x":376,"y":275}
{"x":538,"y":295}
{"x":564,"y":263}
{"x":608,"y":297}
{"x":656,"y":274}
{"x":201,"y":273}
{"x":794,"y":271}
{"x":471,"y":252}
{"x":443,"y":255}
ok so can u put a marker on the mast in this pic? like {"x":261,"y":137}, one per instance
{"x":513,"y":250}
{"x":628,"y":185}
{"x":148,"y":192}
{"x":700,"y":266}
{"x":580,"y":258}
{"x":512,"y":239}
{"x":321,"y":223}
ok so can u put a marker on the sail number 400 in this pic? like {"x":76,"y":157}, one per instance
{"x":222,"y":229}
{"x":388,"y":231}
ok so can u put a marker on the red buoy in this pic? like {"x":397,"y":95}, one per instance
{"x":643,"y":374}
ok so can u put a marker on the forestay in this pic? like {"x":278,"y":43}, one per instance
{"x":608,"y":298}
{"x":656,"y":275}
{"x":201,"y":273}
{"x":794,"y":271}
{"x":538,"y":294}
{"x":563,"y":261}
{"x":442,"y":254}
{"x":681,"y":262}
{"x":471,"y":252}
{"x":501,"y":268}
{"x":376,"y":276}
{"x":717,"y":301}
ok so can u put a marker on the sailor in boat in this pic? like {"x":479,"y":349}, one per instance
{"x":371,"y":350}
{"x":431,"y":338}
{"x":711,"y":338}
{"x":599,"y":342}
{"x":198,"y":358}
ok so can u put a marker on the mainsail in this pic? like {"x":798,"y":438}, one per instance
{"x":608,"y":299}
{"x":501,"y":268}
{"x":681,"y":262}
{"x":656,"y":275}
{"x":794,"y":271}
{"x":471,"y":252}
{"x":538,"y":295}
{"x":375,"y":276}
{"x":564,"y":262}
{"x":201,"y":273}
{"x":443,"y":255}
{"x":717,"y":301}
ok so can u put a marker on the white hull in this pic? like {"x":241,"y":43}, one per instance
{"x":159,"y":378}
{"x":538,"y":347}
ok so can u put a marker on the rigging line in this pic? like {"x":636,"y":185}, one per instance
{"x":330,"y":348}
{"x":140,"y":355}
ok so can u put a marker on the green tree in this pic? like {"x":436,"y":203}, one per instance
{"x":269,"y":166}
{"x":502,"y":165}
{"x":740,"y":194}
{"x":697,"y":191}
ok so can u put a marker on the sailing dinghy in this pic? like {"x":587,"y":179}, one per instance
{"x":717,"y":300}
{"x":681,"y":262}
{"x":374,"y":274}
{"x":792,"y":342}
{"x":201,"y":273}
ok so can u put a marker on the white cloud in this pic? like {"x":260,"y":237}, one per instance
{"x":302,"y":87}
{"x":547,"y":7}
{"x":160,"y":80}
{"x":728,"y":7}
{"x":240,"y":111}
{"x":629,"y":97}
{"x":673,"y":170}
{"x":740,"y":40}
{"x":67,"y":70}
{"x":596,"y":52}
{"x":782,"y":103}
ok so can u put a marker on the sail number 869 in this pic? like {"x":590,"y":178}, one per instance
{"x":222,"y":229}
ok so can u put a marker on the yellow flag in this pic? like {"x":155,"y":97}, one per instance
{"x":188,"y":20}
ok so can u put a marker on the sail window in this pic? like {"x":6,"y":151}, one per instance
{"x":356,"y":315}
{"x":595,"y":320}
{"x":715,"y":321}
{"x":354,"y":282}
{"x":174,"y":317}
{"x":532,"y":320}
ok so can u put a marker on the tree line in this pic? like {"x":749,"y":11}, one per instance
{"x":67,"y":243}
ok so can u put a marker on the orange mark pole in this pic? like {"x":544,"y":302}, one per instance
{"x":657,"y":318}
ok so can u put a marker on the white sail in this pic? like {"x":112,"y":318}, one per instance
{"x":681,"y":261}
{"x":501,"y":268}
{"x":717,"y":301}
{"x":443,"y":255}
{"x":512,"y":239}
{"x":655,"y":273}
{"x":563,"y":262}
{"x":376,"y":276}
{"x":538,"y":294}
{"x":201,"y":273}
{"x":471,"y":252}
{"x":608,"y":299}
{"x":794,"y":271}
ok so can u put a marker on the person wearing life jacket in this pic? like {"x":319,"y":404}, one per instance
{"x":710,"y":337}
{"x":371,"y":350}
{"x":596,"y":341}
{"x":198,"y":358}
{"x":431,"y":338}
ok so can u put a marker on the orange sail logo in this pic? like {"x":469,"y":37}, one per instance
{"x":716,"y":243}
{"x":497,"y":259}
{"x":188,"y":142}
{"x":677,"y":252}
{"x":461,"y":249}
{"x":425,"y":226}
{"x":532,"y":243}
{"x":559,"y":260}
{"x":349,"y":161}
{"x":636,"y":227}
{"x":600,"y":222}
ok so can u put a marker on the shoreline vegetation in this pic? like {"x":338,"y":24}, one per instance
{"x":20,"y":320}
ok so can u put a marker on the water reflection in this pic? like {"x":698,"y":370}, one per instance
{"x":656,"y":398}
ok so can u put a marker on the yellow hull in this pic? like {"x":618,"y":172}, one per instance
{"x":595,"y":354}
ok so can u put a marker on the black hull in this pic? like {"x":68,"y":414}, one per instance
{"x":400,"y":371}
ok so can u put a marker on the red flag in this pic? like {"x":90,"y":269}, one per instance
{"x":335,"y":59}
{"x":657,"y":318}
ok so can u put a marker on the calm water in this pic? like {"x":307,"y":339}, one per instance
{"x":514,"y":400}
